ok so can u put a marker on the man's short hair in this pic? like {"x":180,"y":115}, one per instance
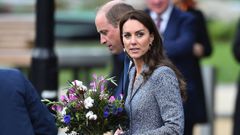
{"x":116,"y":12}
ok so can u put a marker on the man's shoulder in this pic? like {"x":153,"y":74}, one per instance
{"x":181,"y":14}
{"x":7,"y":72}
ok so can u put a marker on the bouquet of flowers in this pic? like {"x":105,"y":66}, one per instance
{"x":90,"y":111}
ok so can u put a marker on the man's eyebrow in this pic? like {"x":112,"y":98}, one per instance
{"x":102,"y":31}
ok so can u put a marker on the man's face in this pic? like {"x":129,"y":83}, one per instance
{"x":109,"y":35}
{"x":158,"y":6}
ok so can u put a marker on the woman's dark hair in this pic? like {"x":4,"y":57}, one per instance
{"x":155,"y":57}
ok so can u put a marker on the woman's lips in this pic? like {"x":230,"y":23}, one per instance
{"x":134,"y":50}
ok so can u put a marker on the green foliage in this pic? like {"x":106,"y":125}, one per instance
{"x":221,"y":31}
{"x":223,"y":61}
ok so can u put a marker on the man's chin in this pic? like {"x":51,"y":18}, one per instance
{"x":115,"y":52}
{"x":112,"y":51}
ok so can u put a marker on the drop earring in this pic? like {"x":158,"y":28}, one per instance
{"x":150,"y":46}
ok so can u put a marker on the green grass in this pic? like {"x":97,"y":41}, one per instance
{"x":223,"y":61}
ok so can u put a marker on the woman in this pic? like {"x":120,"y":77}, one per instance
{"x":156,"y":88}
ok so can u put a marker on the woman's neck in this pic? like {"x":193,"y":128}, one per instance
{"x":139,"y":65}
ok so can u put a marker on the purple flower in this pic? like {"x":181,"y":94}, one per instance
{"x":67,"y":119}
{"x":95,"y":76}
{"x":71,"y":90}
{"x":111,"y":99}
{"x":72,"y":97}
{"x":105,"y":114}
{"x":101,"y":78}
{"x":120,"y":109}
{"x":93,"y":85}
{"x":106,"y":111}
{"x":64,"y":99}
{"x":114,"y":110}
{"x":102,"y":87}
{"x":57,"y":108}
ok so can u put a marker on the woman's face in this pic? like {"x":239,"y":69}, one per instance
{"x":136,"y":38}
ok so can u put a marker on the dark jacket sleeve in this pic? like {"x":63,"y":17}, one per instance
{"x":180,"y":34}
{"x":236,"y":44}
{"x":42,"y":120}
{"x":202,"y":32}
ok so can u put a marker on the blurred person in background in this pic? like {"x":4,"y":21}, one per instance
{"x":236,"y":53}
{"x":179,"y":32}
{"x":106,"y":21}
{"x":202,"y":47}
{"x":22,"y":112}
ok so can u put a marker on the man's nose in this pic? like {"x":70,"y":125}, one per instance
{"x":103,"y":39}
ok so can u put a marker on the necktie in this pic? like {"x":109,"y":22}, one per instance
{"x":158,"y":22}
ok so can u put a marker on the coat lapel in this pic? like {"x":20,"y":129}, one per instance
{"x":136,"y":85}
{"x":169,"y":29}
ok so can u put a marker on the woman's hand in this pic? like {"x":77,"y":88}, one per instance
{"x":118,"y":132}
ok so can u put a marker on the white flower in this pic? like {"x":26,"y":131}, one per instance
{"x":84,"y":88}
{"x":88,"y":102}
{"x":77,"y":83}
{"x":91,"y":116}
{"x":63,"y":112}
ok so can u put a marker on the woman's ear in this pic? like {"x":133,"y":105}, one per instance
{"x":151,"y":38}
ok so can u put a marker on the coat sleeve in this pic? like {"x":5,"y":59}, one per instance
{"x":202,"y":33}
{"x":182,"y":44}
{"x":42,"y":120}
{"x":169,"y":100}
{"x":236,"y":44}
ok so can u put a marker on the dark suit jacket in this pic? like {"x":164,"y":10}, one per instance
{"x":236,"y":53}
{"x":178,"y":39}
{"x":123,"y":79}
{"x":22,"y":112}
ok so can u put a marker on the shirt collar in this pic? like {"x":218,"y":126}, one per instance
{"x":165,"y":16}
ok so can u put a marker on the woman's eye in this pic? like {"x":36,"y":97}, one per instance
{"x":139,"y":34}
{"x":126,"y":36}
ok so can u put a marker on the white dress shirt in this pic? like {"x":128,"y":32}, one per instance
{"x":164,"y":16}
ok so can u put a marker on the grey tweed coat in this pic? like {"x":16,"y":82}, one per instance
{"x":154,"y":106}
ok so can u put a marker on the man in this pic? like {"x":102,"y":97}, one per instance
{"x":107,"y":19}
{"x":22,"y":112}
{"x":178,"y":31}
